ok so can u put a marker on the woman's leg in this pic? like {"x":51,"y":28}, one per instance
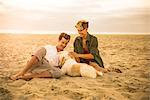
{"x":97,"y":67}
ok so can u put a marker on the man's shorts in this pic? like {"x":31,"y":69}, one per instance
{"x":43,"y":64}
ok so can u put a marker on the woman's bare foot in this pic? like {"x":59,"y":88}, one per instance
{"x":99,"y":73}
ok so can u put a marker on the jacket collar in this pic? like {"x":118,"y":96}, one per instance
{"x":87,"y":37}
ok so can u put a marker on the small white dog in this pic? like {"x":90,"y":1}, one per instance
{"x":72,"y":68}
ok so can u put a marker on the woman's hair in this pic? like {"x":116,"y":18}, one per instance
{"x":82,"y":24}
{"x":64,"y":35}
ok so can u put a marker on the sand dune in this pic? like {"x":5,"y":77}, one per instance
{"x":129,"y":53}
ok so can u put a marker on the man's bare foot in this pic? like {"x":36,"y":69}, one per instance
{"x":14,"y":77}
{"x":25,"y":77}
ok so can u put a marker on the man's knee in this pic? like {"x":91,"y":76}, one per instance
{"x":56,"y":73}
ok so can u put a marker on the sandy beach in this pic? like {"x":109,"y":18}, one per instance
{"x":129,"y":53}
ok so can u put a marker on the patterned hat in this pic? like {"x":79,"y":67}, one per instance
{"x":81,"y":25}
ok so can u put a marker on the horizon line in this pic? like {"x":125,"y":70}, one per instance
{"x":69,"y":32}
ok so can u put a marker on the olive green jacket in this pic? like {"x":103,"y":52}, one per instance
{"x":92,"y":45}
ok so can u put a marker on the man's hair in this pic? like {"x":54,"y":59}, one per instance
{"x":64,"y":35}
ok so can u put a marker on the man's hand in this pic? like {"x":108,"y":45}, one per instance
{"x":73,"y":54}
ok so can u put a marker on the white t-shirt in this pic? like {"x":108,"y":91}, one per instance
{"x":51,"y":55}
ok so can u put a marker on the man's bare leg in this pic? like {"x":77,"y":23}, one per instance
{"x":29,"y":64}
{"x":44,"y":74}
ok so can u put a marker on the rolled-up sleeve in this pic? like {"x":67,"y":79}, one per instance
{"x":95,"y":52}
{"x":94,"y":47}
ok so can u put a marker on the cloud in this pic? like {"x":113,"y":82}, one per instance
{"x":57,"y":15}
{"x":73,"y":6}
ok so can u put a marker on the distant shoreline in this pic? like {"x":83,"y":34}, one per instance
{"x":101,"y":33}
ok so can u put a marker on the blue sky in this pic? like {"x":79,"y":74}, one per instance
{"x":54,"y":16}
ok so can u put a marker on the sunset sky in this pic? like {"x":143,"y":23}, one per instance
{"x":55,"y":16}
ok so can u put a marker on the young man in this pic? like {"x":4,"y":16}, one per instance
{"x":44,"y":61}
{"x":86,"y":47}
